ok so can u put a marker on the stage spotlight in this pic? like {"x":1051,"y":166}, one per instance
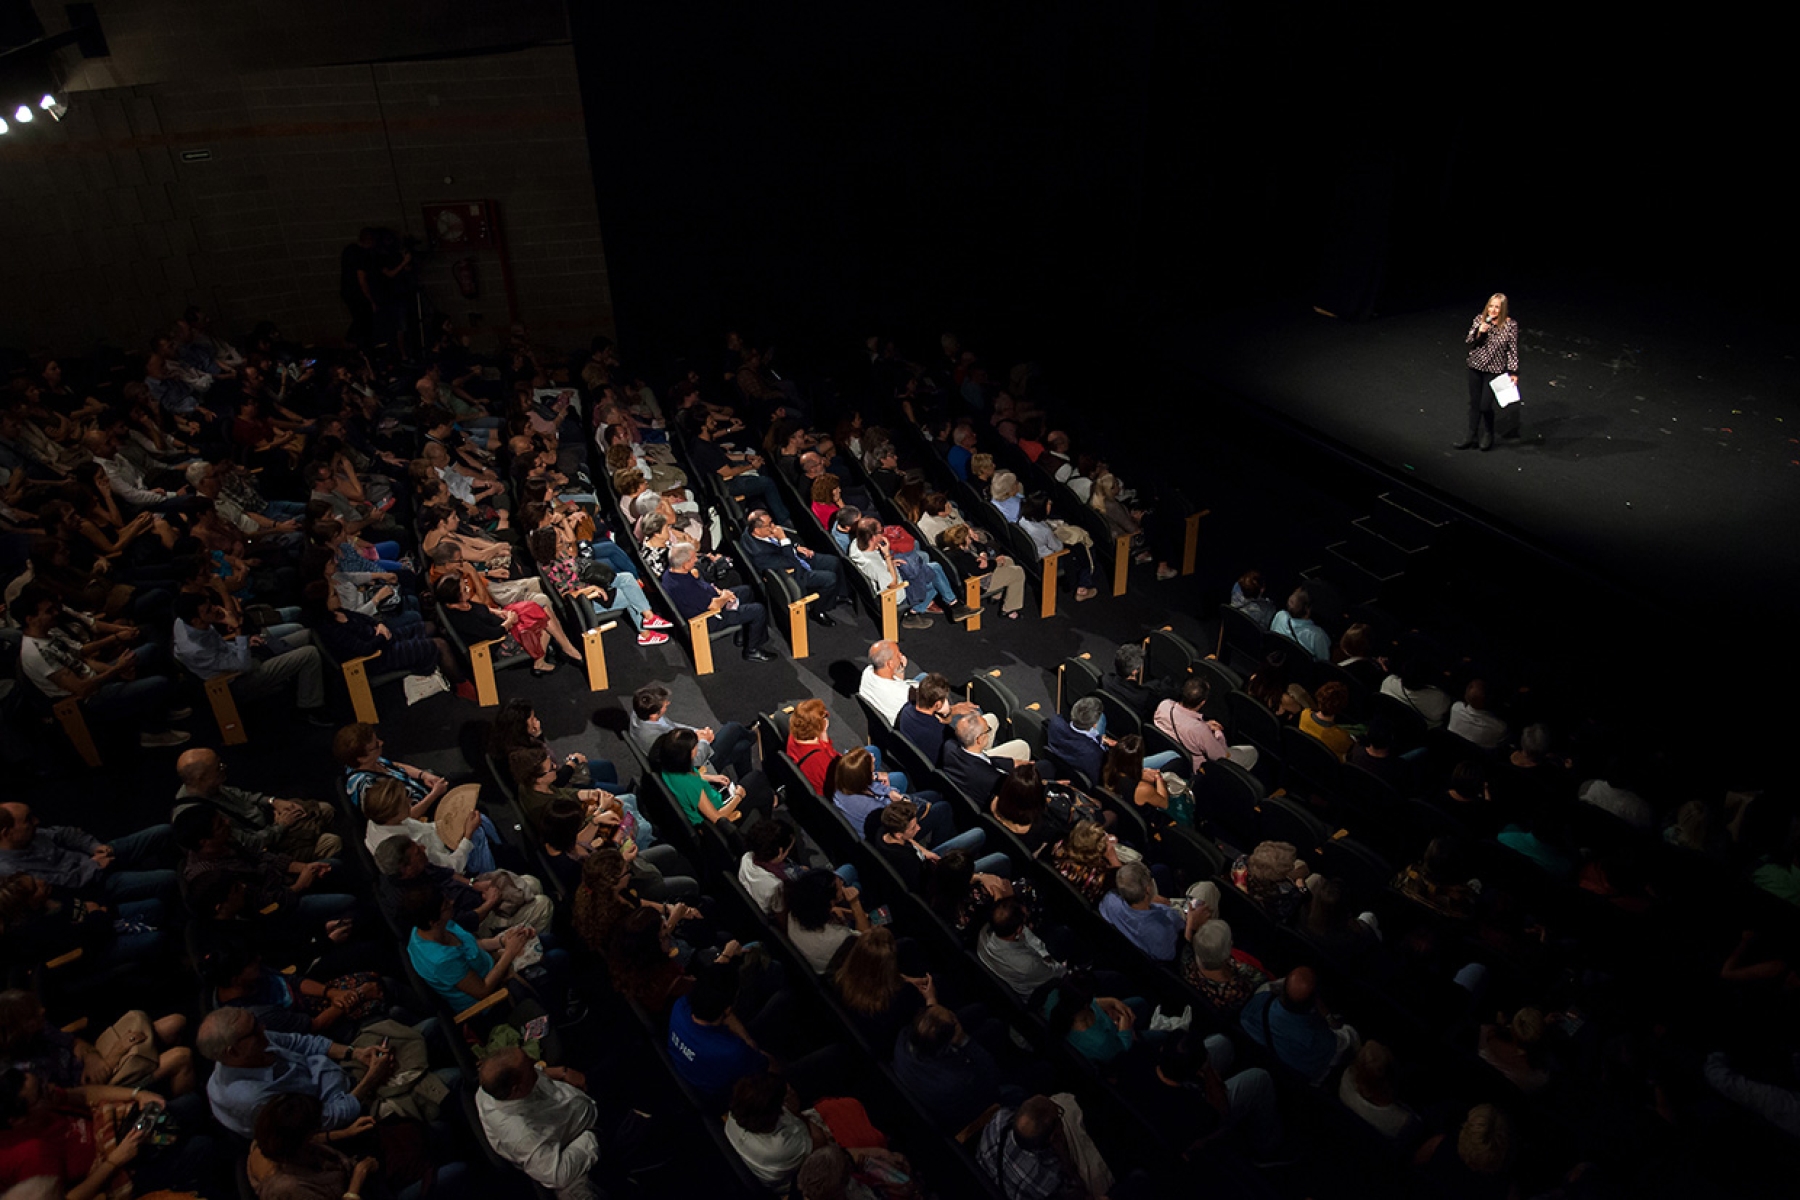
{"x":3,"y":125}
{"x":49,"y":105}
{"x":23,"y":115}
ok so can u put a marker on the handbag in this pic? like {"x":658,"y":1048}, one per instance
{"x":412,"y":1090}
{"x":899,"y":540}
{"x":1069,"y":807}
{"x":128,"y":1047}
{"x":598,"y":573}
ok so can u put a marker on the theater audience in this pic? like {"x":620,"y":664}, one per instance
{"x":151,"y":541}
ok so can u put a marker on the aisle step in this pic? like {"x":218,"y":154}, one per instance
{"x":1398,"y":528}
{"x":1419,"y":507}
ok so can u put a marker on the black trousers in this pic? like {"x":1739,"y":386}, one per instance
{"x":1481,"y":402}
{"x":753,"y":616}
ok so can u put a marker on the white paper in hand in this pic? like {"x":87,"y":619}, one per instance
{"x":1506,"y":392}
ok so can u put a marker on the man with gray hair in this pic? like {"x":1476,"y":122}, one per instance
{"x":694,"y":597}
{"x":255,"y":1065}
{"x":885,"y":683}
{"x":1147,"y":920}
{"x":1078,"y":741}
{"x":969,"y":763}
{"x":1296,"y":622}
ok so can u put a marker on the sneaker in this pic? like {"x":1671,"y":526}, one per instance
{"x":166,"y":737}
{"x":963,"y":612}
{"x":652,"y":621}
{"x":180,"y":714}
{"x":650,"y":637}
{"x":916,"y":621}
{"x":1165,"y":573}
{"x":1086,"y":593}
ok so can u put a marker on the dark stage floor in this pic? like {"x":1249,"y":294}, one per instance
{"x":1658,"y":448}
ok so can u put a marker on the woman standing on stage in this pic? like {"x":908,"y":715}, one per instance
{"x":1493,"y":351}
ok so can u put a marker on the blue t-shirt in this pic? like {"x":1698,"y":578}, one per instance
{"x":1155,"y":930}
{"x":710,"y":1057}
{"x":443,"y":967}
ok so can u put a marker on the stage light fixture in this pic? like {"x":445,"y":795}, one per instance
{"x":50,"y":105}
{"x":3,"y":125}
{"x":23,"y":115}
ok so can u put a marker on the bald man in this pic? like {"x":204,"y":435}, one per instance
{"x":541,"y":1121}
{"x":296,"y":828}
{"x":1289,"y":1018}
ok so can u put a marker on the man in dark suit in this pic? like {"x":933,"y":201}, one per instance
{"x":969,"y":766}
{"x":692,"y":596}
{"x":770,"y":549}
{"x":1076,"y":740}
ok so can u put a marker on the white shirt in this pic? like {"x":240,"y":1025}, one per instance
{"x":1389,"y":1120}
{"x":873,"y":567}
{"x":40,"y":658}
{"x":1429,"y":702}
{"x":1476,"y":725}
{"x":549,"y":1134}
{"x":775,"y":1156}
{"x":426,"y":835}
{"x":458,"y":484}
{"x":764,"y":886}
{"x":128,"y":482}
{"x":1629,"y":807}
{"x":887,"y":695}
{"x":819,"y":946}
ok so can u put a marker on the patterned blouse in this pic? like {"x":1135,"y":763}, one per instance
{"x":562,"y":573}
{"x":1496,"y":350}
{"x":1225,"y":995}
{"x":1090,"y":881}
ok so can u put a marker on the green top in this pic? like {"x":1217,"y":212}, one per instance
{"x":688,"y":789}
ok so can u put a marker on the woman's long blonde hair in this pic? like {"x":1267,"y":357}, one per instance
{"x":1505,"y":308}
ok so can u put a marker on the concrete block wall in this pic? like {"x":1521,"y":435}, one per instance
{"x":109,"y":234}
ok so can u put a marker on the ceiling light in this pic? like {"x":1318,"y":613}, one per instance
{"x":49,"y":104}
{"x":3,"y":125}
{"x":23,"y":115}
